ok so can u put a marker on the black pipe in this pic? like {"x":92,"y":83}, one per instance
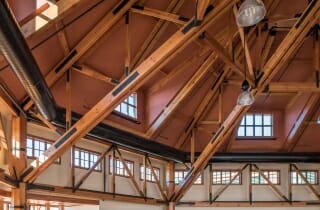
{"x":15,"y":49}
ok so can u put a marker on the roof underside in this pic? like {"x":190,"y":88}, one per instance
{"x":168,"y":101}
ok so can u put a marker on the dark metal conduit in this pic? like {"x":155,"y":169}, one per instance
{"x":15,"y":49}
{"x":116,"y":136}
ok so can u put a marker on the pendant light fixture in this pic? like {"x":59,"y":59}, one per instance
{"x":245,"y":98}
{"x":250,"y":13}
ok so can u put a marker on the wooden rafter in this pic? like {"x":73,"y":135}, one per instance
{"x":310,"y":107}
{"x":6,"y":101}
{"x":35,"y":13}
{"x":202,"y":6}
{"x":208,"y":99}
{"x":106,"y":105}
{"x":267,"y":48}
{"x":155,"y":34}
{"x":298,"y":128}
{"x":159,"y":14}
{"x":291,"y":42}
{"x":293,"y":87}
{"x":64,"y":8}
{"x":208,"y":40}
{"x":165,"y":115}
{"x":178,"y":69}
{"x":86,"y":70}
{"x":105,"y":24}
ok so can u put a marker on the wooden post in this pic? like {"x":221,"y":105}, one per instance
{"x":250,"y":184}
{"x":18,"y":197}
{"x":170,"y":178}
{"x":289,"y":183}
{"x":192,"y":145}
{"x":210,"y":183}
{"x":114,"y":170}
{"x":104,"y":174}
{"x":19,"y":125}
{"x":145,"y":175}
{"x":172,"y":206}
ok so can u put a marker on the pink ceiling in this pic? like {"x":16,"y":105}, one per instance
{"x":108,"y":57}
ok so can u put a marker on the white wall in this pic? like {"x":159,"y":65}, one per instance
{"x":260,"y":192}
{"x":59,"y":175}
{"x":112,"y":205}
{"x":246,"y":208}
{"x":83,"y":207}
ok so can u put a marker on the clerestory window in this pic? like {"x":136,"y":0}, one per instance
{"x":256,"y":125}
{"x":128,"y":107}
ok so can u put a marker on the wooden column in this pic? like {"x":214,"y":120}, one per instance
{"x":171,"y":206}
{"x":19,"y":197}
{"x":170,"y":178}
{"x":18,"y":138}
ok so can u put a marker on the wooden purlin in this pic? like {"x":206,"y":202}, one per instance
{"x":106,"y":105}
{"x":285,"y":50}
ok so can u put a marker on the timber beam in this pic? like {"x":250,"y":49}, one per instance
{"x":284,"y":52}
{"x":89,"y":194}
{"x":106,"y":105}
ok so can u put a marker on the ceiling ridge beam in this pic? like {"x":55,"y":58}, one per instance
{"x":290,"y":43}
{"x":105,"y":106}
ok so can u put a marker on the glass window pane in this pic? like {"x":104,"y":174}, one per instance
{"x":29,"y":143}
{"x":258,"y":119}
{"x":267,"y":131}
{"x":29,"y":152}
{"x":241,"y":131}
{"x":258,"y":131}
{"x":267,"y":119}
{"x":249,"y":119}
{"x":131,"y":111}
{"x":249,"y":131}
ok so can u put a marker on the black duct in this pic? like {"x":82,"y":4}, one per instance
{"x":15,"y":49}
{"x":269,"y":157}
{"x":113,"y":135}
{"x":119,"y":137}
